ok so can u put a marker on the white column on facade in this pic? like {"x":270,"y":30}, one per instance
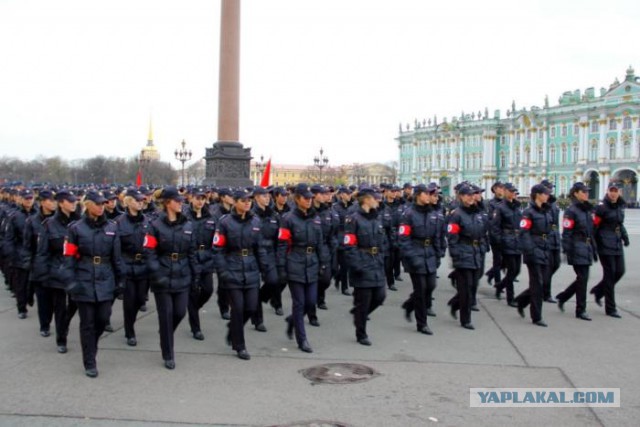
{"x":582,"y":147}
{"x":434,"y":150}
{"x":522,"y":134}
{"x":634,"y":142}
{"x":619,"y":142}
{"x":602,"y":185}
{"x":414,"y":163}
{"x":534,"y":146}
{"x":603,"y":152}
{"x":545,"y":146}
{"x":511,"y":147}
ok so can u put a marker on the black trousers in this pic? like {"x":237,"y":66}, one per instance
{"x":495,"y":272}
{"x":466,"y":279}
{"x":421,"y":297}
{"x":366,"y":300}
{"x":392,"y":265}
{"x":21,"y":288}
{"x":613,"y":268}
{"x":223,"y":297}
{"x":578,"y":287}
{"x":64,"y":309}
{"x":324,"y":282}
{"x":134,"y":297}
{"x":197,"y":300}
{"x":533,"y":296}
{"x":553,"y":267}
{"x":342,"y":277}
{"x":45,"y":305}
{"x":244,"y":303}
{"x":171,"y":308}
{"x":303,"y":297}
{"x":513,"y":264}
{"x":94,"y":316}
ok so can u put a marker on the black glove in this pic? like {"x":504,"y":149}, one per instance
{"x":626,"y":241}
{"x":119,"y":290}
{"x":595,"y":256}
{"x":74,"y":288}
{"x":224,"y":276}
{"x":196,"y":285}
{"x":160,"y":283}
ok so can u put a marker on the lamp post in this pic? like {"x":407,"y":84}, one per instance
{"x":260,"y":166}
{"x":183,"y":155}
{"x":320,"y":162}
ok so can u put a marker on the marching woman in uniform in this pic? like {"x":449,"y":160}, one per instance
{"x":535,"y":229}
{"x":93,"y":269}
{"x":238,"y":252}
{"x":579,"y":245}
{"x":300,"y":251}
{"x":204,"y":227}
{"x":173,"y":267}
{"x":420,"y":239}
{"x":363,"y":241}
{"x":133,"y":226}
{"x":49,"y":259}
{"x":468,"y":243}
{"x":611,"y":236}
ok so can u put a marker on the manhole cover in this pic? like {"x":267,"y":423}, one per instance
{"x":339,"y":373}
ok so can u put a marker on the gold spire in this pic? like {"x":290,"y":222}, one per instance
{"x":150,"y":138}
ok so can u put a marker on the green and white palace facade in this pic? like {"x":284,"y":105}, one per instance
{"x":586,"y":137}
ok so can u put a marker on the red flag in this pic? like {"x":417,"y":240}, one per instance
{"x":138,"y":178}
{"x":265,"y":176}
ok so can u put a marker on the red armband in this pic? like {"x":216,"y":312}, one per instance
{"x":350,"y":240}
{"x":597,"y":220}
{"x":453,"y":228}
{"x":219,"y":240}
{"x":404,"y":230}
{"x":525,"y":224}
{"x":568,"y":223}
{"x":150,"y":241}
{"x":70,"y":249}
{"x":284,"y":234}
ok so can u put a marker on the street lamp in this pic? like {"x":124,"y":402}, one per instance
{"x":260,"y":167}
{"x":183,"y":155}
{"x":320,"y":162}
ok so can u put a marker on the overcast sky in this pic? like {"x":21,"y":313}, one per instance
{"x":80,"y":78}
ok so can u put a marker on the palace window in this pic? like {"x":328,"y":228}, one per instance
{"x":517,"y":156}
{"x":540,"y":154}
{"x":563,"y":185}
{"x":503,"y":160}
{"x":540,"y":133}
{"x":612,"y":149}
{"x":527,"y":156}
{"x":612,"y":124}
{"x":594,"y":126}
{"x":593,"y":151}
{"x":576,"y":152}
{"x":553,"y":131}
{"x":626,"y":123}
{"x":627,"y":149}
{"x":576,"y":129}
{"x":563,"y":154}
{"x":564,"y":130}
{"x":552,"y":155}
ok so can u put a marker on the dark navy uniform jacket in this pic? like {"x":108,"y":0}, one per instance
{"x":47,"y":265}
{"x":170,"y":249}
{"x":610,"y":231}
{"x":33,"y":227}
{"x":554,"y":238}
{"x":468,"y":240}
{"x":421,"y":238}
{"x":535,"y":231}
{"x":505,"y":226}
{"x":93,"y":263}
{"x":301,"y":248}
{"x":203,"y":230}
{"x":239,"y":251}
{"x":341,"y":209}
{"x":577,"y":234}
{"x":363,"y":243}
{"x":330,"y":224}
{"x":131,"y":232}
{"x":14,"y":235}
{"x":269,"y":226}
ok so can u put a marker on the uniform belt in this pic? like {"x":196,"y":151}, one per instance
{"x":304,"y":249}
{"x":372,"y":250}
{"x":425,"y":242}
{"x":97,"y":260}
{"x":510,"y":231}
{"x":470,"y":242}
{"x":242,"y":252}
{"x":541,"y":235}
{"x":587,"y":239}
{"x":202,"y":247}
{"x":176,"y":256}
{"x":554,"y":227}
{"x":133,"y":257}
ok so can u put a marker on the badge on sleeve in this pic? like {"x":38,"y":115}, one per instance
{"x":568,"y":223}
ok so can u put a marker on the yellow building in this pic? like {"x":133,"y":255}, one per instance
{"x":150,"y":152}
{"x":280,"y":174}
